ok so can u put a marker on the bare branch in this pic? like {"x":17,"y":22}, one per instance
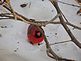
{"x":45,"y":23}
{"x":7,"y":3}
{"x":51,"y":53}
{"x":69,"y":4}
{"x":60,"y":42}
{"x":39,"y":23}
{"x":64,"y":24}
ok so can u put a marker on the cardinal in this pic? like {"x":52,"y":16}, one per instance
{"x":35,"y":35}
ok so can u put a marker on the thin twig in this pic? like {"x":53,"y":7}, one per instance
{"x":64,"y":16}
{"x":69,"y":4}
{"x":7,"y":3}
{"x":60,"y":42}
{"x":45,"y":23}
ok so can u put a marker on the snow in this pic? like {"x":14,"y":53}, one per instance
{"x":13,"y":41}
{"x":39,"y":10}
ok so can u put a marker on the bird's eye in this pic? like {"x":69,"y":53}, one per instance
{"x":38,"y":34}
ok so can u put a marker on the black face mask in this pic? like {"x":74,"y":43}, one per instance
{"x":38,"y":34}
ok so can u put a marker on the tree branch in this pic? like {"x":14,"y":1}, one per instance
{"x":51,"y":53}
{"x":54,"y":2}
{"x":60,"y":42}
{"x":39,"y":23}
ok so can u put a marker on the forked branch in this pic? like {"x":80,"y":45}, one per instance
{"x":54,"y":2}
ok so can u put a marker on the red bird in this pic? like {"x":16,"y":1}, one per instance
{"x":35,"y":35}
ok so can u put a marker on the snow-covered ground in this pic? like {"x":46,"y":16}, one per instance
{"x":13,"y":39}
